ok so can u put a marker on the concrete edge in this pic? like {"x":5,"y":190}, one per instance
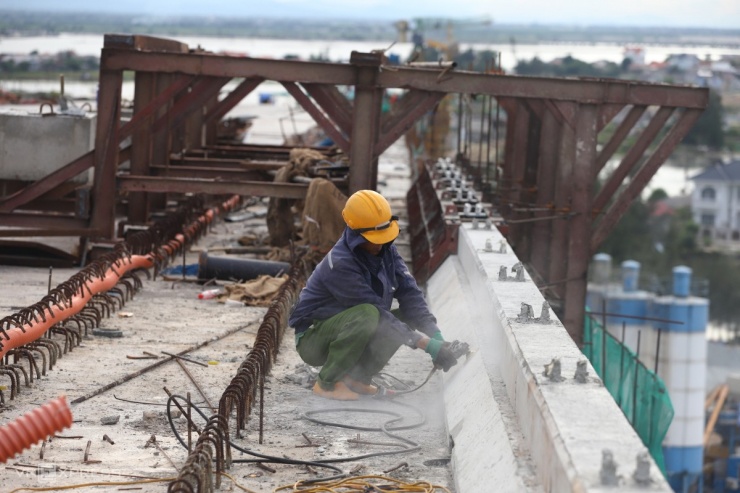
{"x":565,"y":426}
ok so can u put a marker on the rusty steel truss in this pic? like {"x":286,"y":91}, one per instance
{"x":551,"y":157}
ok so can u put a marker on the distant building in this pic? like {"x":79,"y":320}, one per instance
{"x":683,"y":62}
{"x":715,"y":203}
{"x":635,"y":54}
{"x":719,"y":75}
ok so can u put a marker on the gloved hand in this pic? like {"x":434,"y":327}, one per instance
{"x":441,"y":354}
{"x":438,"y":336}
{"x":446,"y":358}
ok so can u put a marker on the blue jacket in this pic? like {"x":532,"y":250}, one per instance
{"x":349,"y":276}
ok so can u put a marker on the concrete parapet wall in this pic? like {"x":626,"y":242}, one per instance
{"x":512,"y":426}
{"x":33,"y":146}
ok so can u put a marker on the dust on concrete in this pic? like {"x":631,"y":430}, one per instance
{"x":167,"y":316}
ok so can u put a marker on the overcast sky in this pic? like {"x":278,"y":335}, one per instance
{"x":671,"y":13}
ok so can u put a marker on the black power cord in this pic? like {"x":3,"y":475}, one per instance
{"x":386,"y":428}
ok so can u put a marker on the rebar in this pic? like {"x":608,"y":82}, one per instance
{"x":241,"y":392}
{"x":72,"y":306}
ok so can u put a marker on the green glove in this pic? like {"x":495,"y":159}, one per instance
{"x":433,"y":347}
{"x":438,"y":336}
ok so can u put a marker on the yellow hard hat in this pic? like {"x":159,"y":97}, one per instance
{"x":368,"y":213}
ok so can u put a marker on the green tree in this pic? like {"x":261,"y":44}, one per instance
{"x":708,"y":129}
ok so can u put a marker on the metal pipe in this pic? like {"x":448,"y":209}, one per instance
{"x":228,"y":268}
{"x":438,"y":64}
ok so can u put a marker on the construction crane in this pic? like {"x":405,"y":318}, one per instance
{"x":422,"y":27}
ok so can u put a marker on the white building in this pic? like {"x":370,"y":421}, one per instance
{"x":715,"y":203}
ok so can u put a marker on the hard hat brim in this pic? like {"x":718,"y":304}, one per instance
{"x":382,"y":236}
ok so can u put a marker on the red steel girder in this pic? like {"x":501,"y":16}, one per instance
{"x":580,"y":224}
{"x":228,"y":66}
{"x":400,"y":123}
{"x":318,"y":116}
{"x":243,"y":164}
{"x":210,"y":172}
{"x":631,"y":158}
{"x":41,"y":220}
{"x":575,"y":90}
{"x":619,"y":135}
{"x":199,"y":94}
{"x":106,"y":152}
{"x":333,"y":103}
{"x":48,"y":183}
{"x":128,"y":183}
{"x":240,"y":92}
{"x":674,"y":136}
{"x":142,"y":116}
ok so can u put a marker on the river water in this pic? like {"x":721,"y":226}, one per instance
{"x":337,"y":51}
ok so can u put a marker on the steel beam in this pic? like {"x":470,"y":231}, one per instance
{"x":240,"y":174}
{"x":242,"y":164}
{"x":40,"y":220}
{"x":674,"y":137}
{"x":575,"y":90}
{"x":333,"y":103}
{"x":151,"y":105}
{"x":48,"y":183}
{"x":128,"y":183}
{"x":631,"y":158}
{"x":234,"y":97}
{"x":404,"y":121}
{"x":619,"y":135}
{"x":199,"y":94}
{"x":319,"y":117}
{"x":607,"y":112}
{"x":227,"y":66}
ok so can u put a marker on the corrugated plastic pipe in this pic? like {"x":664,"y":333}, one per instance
{"x":38,"y":424}
{"x":31,"y":331}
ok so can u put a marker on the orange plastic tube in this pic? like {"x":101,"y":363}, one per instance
{"x":42,"y":422}
{"x":34,"y":330}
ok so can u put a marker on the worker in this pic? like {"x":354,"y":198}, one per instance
{"x":343,"y":319}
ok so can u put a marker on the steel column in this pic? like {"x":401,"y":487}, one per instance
{"x":560,"y":229}
{"x":106,"y":153}
{"x":580,"y":224}
{"x":365,"y":122}
{"x":529,"y":192}
{"x":517,"y":163}
{"x":141,"y":143}
{"x":546,"y":176}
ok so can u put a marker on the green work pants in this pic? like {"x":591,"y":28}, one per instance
{"x":349,"y":343}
